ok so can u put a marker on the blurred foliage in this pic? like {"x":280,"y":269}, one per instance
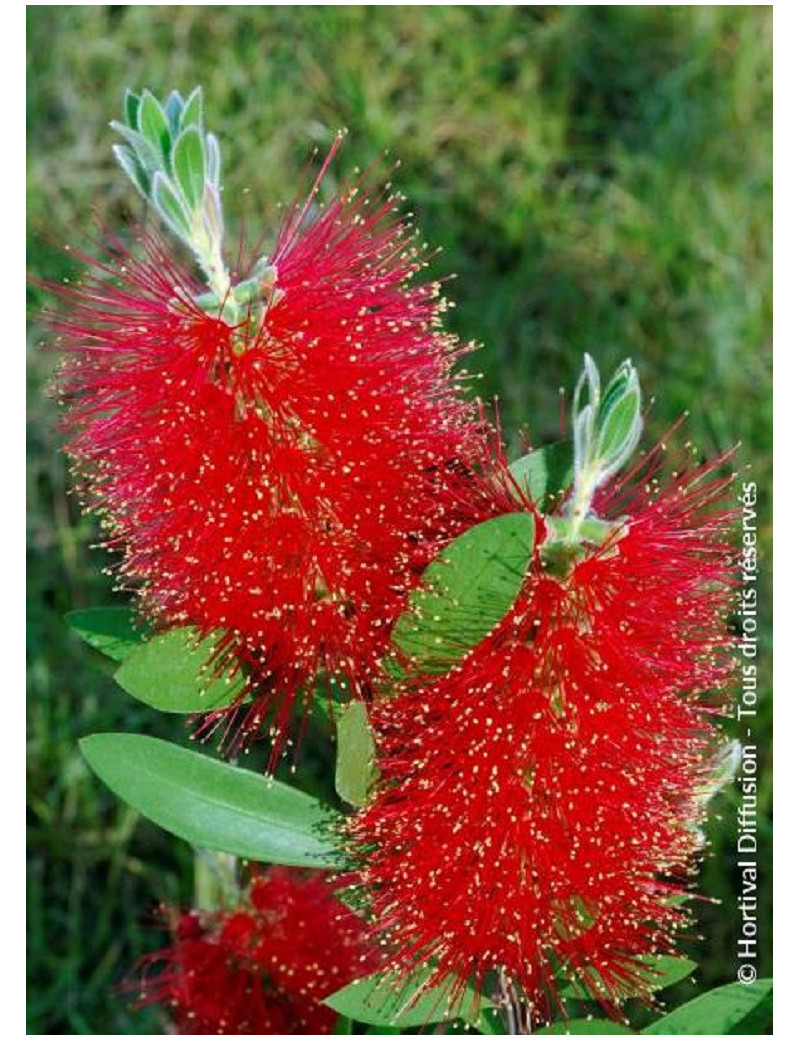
{"x":597,"y":178}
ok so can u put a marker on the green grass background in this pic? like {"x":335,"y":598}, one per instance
{"x":597,"y":178}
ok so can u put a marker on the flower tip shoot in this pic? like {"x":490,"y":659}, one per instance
{"x":175,"y":166}
{"x":606,"y":427}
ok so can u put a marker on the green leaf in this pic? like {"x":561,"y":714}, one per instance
{"x":717,"y":1012}
{"x":252,"y":289}
{"x":661,"y":971}
{"x":189,"y":164}
{"x":584,"y":1027}
{"x":597,"y":531}
{"x":146,"y":155}
{"x":667,"y":970}
{"x":170,"y":672}
{"x":621,"y":430}
{"x":759,"y":1021}
{"x":355,"y":754}
{"x":492,"y":1022}
{"x":170,"y":205}
{"x":212,"y":804}
{"x":111,"y":630}
{"x":393,"y":670}
{"x":323,"y":707}
{"x":588,"y":381}
{"x":622,"y":380}
{"x":530,"y":472}
{"x":545,"y":474}
{"x":213,"y":160}
{"x":153,"y":124}
{"x":173,"y":107}
{"x":379,"y":1001}
{"x":465,"y":592}
{"x":216,"y":882}
{"x":126,"y":157}
{"x":193,"y":109}
{"x":131,"y":108}
{"x":559,"y":468}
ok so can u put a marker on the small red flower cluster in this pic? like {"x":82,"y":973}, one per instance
{"x":281,"y":483}
{"x":539,"y":804}
{"x":263,"y":967}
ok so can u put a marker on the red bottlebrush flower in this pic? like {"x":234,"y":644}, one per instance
{"x":539,"y":804}
{"x":283,"y":482}
{"x":264,"y":967}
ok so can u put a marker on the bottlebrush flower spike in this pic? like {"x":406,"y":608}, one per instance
{"x":263,"y":967}
{"x":540,"y":804}
{"x":280,"y":479}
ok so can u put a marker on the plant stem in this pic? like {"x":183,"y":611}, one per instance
{"x":513,"y":1009}
{"x":581,"y":501}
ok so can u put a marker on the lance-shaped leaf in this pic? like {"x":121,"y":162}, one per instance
{"x":657,"y":973}
{"x":171,"y":672}
{"x":131,"y":106}
{"x":667,"y":971}
{"x":530,"y":472}
{"x":173,"y":108}
{"x":213,"y":160}
{"x":189,"y":164}
{"x":146,"y":156}
{"x":171,"y":206}
{"x":382,"y":1000}
{"x":192,"y":114}
{"x":621,"y":429}
{"x":127,"y":159}
{"x":215,"y":805}
{"x":153,"y":123}
{"x":619,"y":384}
{"x":544,"y":474}
{"x":110,"y":630}
{"x":355,"y":754}
{"x":718,"y":1012}
{"x":465,"y":592}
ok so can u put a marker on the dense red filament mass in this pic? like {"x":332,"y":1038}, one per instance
{"x":282,"y":483}
{"x":263,"y":967}
{"x":540,"y":804}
